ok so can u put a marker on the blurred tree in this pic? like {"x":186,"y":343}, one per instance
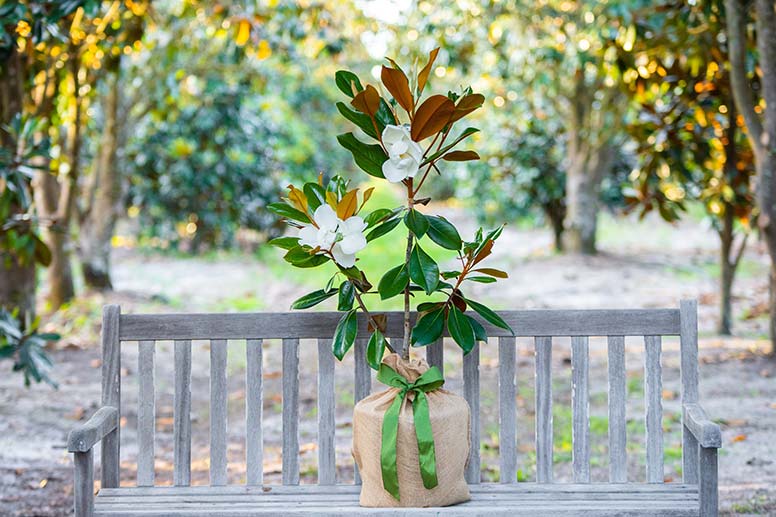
{"x":689,"y":136}
{"x":746,"y":72}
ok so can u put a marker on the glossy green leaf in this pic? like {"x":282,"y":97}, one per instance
{"x":416,"y":222}
{"x":287,"y":211}
{"x":382,"y":229}
{"x":369,"y":157}
{"x":312,"y":299}
{"x":423,"y":270}
{"x":346,"y":81}
{"x":364,"y":122}
{"x":285,"y":243}
{"x":442,"y":232}
{"x":315,"y":194}
{"x":481,"y":279}
{"x":429,"y":327}
{"x":460,"y":329}
{"x":347,"y":295}
{"x":345,"y":334}
{"x":377,"y":216}
{"x":479,"y":330}
{"x":375,"y":350}
{"x":489,"y":316}
{"x":300,"y":257}
{"x":393,"y":282}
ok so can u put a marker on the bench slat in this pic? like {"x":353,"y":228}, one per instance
{"x":182,"y":414}
{"x":618,"y":459}
{"x":580,"y":409}
{"x":363,"y":382}
{"x":507,"y":348}
{"x":471,"y":392}
{"x":543,"y":351}
{"x":689,"y":376}
{"x":327,"y":468}
{"x":653,"y":393}
{"x":110,"y":457}
{"x":254,"y":439}
{"x":290,"y":474}
{"x":435,"y":354}
{"x":527,"y":323}
{"x":145,"y":413}
{"x":218,"y":412}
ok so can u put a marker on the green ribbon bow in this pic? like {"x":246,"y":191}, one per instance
{"x":430,"y":380}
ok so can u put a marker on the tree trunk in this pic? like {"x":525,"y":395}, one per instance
{"x":555,"y":212}
{"x":583,"y":178}
{"x":99,"y":221}
{"x":727,"y":271}
{"x":17,"y":280}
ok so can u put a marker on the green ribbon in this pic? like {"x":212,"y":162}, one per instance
{"x":430,"y":380}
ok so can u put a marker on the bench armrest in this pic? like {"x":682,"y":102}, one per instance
{"x":85,"y":436}
{"x":705,"y":431}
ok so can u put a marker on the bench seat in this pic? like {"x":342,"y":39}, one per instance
{"x":487,"y":499}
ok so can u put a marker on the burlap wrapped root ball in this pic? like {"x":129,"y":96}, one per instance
{"x":449,"y":415}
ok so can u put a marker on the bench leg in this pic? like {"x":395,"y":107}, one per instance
{"x":709,"y":495}
{"x":84,"y":484}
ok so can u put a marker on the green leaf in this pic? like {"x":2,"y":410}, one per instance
{"x":375,"y":350}
{"x":377,"y":216}
{"x":450,"y":274}
{"x":423,"y":270}
{"x":429,"y":327}
{"x":300,"y":257}
{"x":466,"y":133}
{"x":416,"y":222}
{"x":347,"y":294}
{"x":285,"y":243}
{"x":359,"y":119}
{"x":369,"y":157}
{"x":479,"y":330}
{"x":441,"y":231}
{"x":345,"y":80}
{"x":460,"y":329}
{"x":315,"y":194}
{"x":312,"y":299}
{"x":489,"y":316}
{"x":382,"y":229}
{"x":393,"y":282}
{"x":481,"y":279}
{"x":287,"y":211}
{"x":429,"y":306}
{"x":345,"y":334}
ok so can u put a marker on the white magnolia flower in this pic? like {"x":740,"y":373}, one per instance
{"x":404,"y":154}
{"x":342,"y":238}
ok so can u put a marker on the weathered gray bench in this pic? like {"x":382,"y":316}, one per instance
{"x":696,"y":494}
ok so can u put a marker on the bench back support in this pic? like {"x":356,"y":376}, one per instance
{"x":542,"y":325}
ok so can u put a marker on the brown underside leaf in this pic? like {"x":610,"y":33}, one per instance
{"x":467,"y":104}
{"x":423,"y":74}
{"x":347,"y":205}
{"x":431,"y":117}
{"x":399,"y":86}
{"x":367,"y":101}
{"x":461,"y":156}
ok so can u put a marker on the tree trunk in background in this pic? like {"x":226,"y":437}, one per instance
{"x":727,"y":272}
{"x":17,"y":281}
{"x":761,"y":132}
{"x":556,"y":212}
{"x":583,"y":177}
{"x":99,"y":221}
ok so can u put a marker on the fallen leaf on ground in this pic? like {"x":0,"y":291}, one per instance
{"x":739,"y":438}
{"x":95,"y":363}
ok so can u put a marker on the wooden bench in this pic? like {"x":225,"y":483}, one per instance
{"x":695,"y":495}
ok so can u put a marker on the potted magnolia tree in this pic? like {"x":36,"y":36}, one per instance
{"x":408,"y":442}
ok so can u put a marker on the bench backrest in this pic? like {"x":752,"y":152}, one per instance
{"x":542,"y":325}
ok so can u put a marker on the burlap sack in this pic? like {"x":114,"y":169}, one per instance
{"x":450,"y":424}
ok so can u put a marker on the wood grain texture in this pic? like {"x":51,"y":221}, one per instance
{"x":471,"y":392}
{"x":182,"y":414}
{"x":507,"y":350}
{"x":111,"y":393}
{"x":580,"y":409}
{"x":327,"y":468}
{"x":528,"y":323}
{"x":254,"y":446}
{"x":83,"y":490}
{"x":86,"y":435}
{"x":689,"y":376}
{"x":218,"y":412}
{"x":543,"y":351}
{"x":435,"y":355}
{"x":653,"y":401}
{"x":706,"y":432}
{"x":146,"y":413}
{"x":618,"y":456}
{"x":290,"y":474}
{"x":707,"y":486}
{"x":363,"y":382}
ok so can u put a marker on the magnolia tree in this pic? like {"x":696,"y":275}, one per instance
{"x":401,"y":139}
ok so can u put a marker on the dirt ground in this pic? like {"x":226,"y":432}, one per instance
{"x":647,"y":264}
